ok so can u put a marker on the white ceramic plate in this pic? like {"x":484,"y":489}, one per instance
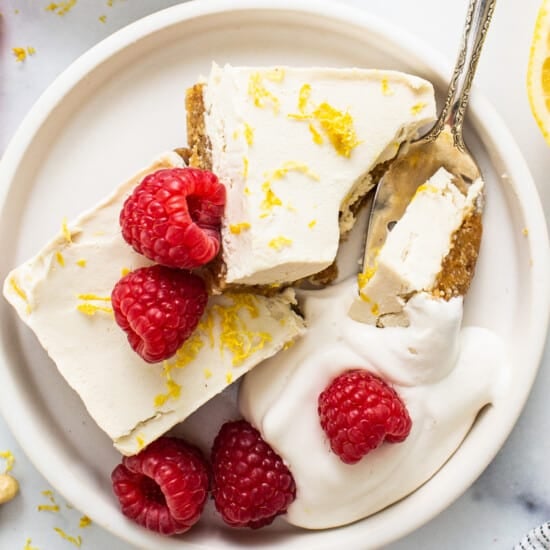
{"x":119,"y":105}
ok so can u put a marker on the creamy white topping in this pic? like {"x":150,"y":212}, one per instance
{"x":294,"y":146}
{"x":63,"y":294}
{"x":411,"y":257}
{"x":444,"y":375}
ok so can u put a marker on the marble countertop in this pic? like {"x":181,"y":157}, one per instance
{"x":513,"y":495}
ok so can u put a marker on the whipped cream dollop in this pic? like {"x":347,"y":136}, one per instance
{"x":445,"y":374}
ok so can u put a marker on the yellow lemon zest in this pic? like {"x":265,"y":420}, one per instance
{"x":81,"y":262}
{"x":235,"y":335}
{"x":245,"y":167}
{"x":417,"y":108}
{"x":260,"y":95}
{"x":338,"y":126}
{"x":19,"y":53}
{"x":270,"y":198}
{"x":279,"y":242}
{"x":248,"y":134}
{"x":386,"y":89}
{"x":365,"y":277}
{"x":92,"y":309}
{"x":294,"y":166}
{"x":229,"y":377}
{"x":140,"y":441}
{"x":9,"y":459}
{"x":103,"y":18}
{"x":20,"y":292}
{"x":60,"y":259}
{"x":77,"y":541}
{"x":65,"y":231}
{"x":317,"y":137}
{"x":85,"y":521}
{"x":312,"y":224}
{"x":236,"y":228}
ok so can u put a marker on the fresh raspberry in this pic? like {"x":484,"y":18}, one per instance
{"x":358,"y":411}
{"x":251,"y":484}
{"x":158,"y":307}
{"x":164,"y":487}
{"x":173,"y":217}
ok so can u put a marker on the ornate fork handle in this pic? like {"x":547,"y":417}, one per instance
{"x":477,"y":22}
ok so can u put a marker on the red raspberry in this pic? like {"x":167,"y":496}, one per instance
{"x":158,"y":307}
{"x":164,"y":487}
{"x":358,"y":411}
{"x":252,"y":485}
{"x":174,"y":216}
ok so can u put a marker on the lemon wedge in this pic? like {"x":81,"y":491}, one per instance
{"x":538,"y":72}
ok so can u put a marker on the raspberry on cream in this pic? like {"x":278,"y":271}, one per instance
{"x":444,"y":374}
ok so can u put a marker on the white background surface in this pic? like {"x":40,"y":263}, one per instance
{"x":513,"y":495}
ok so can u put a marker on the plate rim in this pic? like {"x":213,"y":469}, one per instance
{"x":359,"y":18}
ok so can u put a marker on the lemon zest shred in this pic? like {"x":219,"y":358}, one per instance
{"x":235,"y":335}
{"x":81,"y":262}
{"x":207,"y":373}
{"x":236,"y":228}
{"x":103,"y":18}
{"x":386,"y":89}
{"x":19,"y":53}
{"x":366,"y":276}
{"x":338,"y":126}
{"x":248,"y":134}
{"x":245,"y":167}
{"x":29,"y":546}
{"x":19,"y":291}
{"x":417,"y":108}
{"x":375,"y":310}
{"x":65,"y":231}
{"x":48,"y":508}
{"x":270,"y":198}
{"x":92,"y":309}
{"x":294,"y":166}
{"x":85,"y":521}
{"x":425,"y":188}
{"x":279,"y":242}
{"x":9,"y":459}
{"x":303,"y":97}
{"x":229,"y":377}
{"x":61,"y":8}
{"x":317,"y":137}
{"x":53,"y":506}
{"x":60,"y":258}
{"x":77,"y":541}
{"x":124,"y":271}
{"x":288,"y":344}
{"x":31,"y":50}
{"x":260,"y":95}
{"x":312,"y":224}
{"x":140,"y":441}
